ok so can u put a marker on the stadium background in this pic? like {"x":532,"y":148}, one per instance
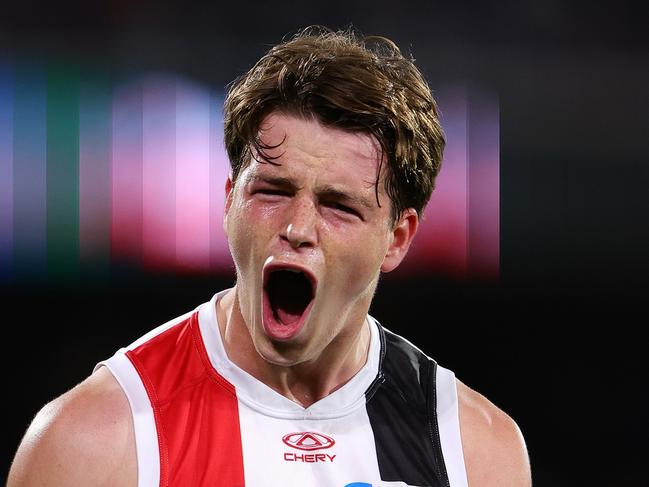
{"x":531,"y":278}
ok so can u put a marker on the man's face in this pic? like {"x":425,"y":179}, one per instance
{"x":308,"y":238}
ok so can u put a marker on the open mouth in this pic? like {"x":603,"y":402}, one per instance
{"x":289,"y":294}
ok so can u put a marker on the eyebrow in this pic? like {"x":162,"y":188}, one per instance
{"x":277,"y":181}
{"x":341,"y":196}
{"x":328,"y":192}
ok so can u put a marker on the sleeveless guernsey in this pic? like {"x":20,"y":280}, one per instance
{"x":200,"y":420}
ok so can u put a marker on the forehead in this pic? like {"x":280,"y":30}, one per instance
{"x":306,"y":144}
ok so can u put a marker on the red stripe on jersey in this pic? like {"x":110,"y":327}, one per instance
{"x":195,"y":409}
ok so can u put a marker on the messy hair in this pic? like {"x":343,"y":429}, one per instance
{"x":358,"y":84}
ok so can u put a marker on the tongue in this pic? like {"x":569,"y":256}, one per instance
{"x":289,"y":295}
{"x":287,"y":317}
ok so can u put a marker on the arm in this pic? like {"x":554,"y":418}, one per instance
{"x":495,"y":454}
{"x":84,"y":437}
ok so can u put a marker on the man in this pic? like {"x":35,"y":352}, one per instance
{"x":284,"y":380}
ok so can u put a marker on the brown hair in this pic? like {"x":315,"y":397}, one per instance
{"x":356,"y":84}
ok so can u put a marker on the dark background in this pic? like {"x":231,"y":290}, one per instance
{"x":556,"y":343}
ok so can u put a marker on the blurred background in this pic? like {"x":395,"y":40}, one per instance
{"x":529,"y":277}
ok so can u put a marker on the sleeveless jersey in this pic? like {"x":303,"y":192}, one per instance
{"x":200,"y":420}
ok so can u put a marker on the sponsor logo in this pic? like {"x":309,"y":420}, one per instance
{"x":308,"y":457}
{"x":308,"y":440}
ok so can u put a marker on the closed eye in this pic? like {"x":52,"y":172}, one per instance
{"x":343,"y":208}
{"x":271,"y":191}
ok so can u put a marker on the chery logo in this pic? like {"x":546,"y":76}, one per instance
{"x":308,"y":440}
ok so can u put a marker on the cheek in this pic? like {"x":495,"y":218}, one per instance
{"x":251,"y":214}
{"x":356,"y":261}
{"x":239,"y":234}
{"x":249,"y":228}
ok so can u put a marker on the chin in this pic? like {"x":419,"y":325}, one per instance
{"x":281,"y":353}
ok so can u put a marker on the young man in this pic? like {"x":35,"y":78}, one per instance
{"x":284,"y":380}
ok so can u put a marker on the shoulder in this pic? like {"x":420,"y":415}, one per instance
{"x":494,"y":449}
{"x":84,"y":437}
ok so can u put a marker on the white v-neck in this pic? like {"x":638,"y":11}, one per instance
{"x":257,"y":395}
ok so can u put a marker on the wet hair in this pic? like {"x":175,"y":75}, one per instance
{"x":343,"y":80}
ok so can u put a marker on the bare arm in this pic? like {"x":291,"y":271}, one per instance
{"x":84,"y":437}
{"x":494,"y":449}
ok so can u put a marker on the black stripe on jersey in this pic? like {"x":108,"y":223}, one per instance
{"x":402,"y":408}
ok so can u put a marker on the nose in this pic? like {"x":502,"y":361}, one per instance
{"x":301,"y":224}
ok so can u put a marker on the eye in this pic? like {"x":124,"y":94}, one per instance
{"x":343,"y":209}
{"x":271,"y":192}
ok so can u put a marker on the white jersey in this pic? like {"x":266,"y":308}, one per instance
{"x":200,"y":420}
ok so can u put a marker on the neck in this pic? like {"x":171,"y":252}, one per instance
{"x":305,"y":382}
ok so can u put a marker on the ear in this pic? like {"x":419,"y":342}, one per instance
{"x":402,"y":234}
{"x":228,"y":202}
